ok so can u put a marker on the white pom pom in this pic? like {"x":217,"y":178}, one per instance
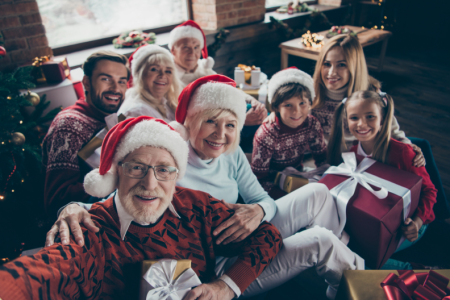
{"x":209,"y":63}
{"x":98,"y":185}
{"x":180,"y":129}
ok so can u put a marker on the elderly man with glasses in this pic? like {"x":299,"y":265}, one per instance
{"x":147,"y":218}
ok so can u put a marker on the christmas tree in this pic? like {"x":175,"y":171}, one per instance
{"x":21,"y":174}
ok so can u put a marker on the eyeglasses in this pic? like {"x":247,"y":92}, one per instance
{"x":139,"y":171}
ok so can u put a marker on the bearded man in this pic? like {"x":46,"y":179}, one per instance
{"x":147,"y":218}
{"x":105,"y":81}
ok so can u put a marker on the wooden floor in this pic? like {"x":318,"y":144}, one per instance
{"x":420,"y":86}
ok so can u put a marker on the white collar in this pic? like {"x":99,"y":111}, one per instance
{"x":360,"y":151}
{"x":125,"y":218}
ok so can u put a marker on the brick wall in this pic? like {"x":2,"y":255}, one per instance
{"x":214,"y":14}
{"x":23,"y":32}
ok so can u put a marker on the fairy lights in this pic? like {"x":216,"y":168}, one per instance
{"x":312,"y":40}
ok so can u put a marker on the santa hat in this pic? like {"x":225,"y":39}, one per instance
{"x":126,"y":137}
{"x":290,"y":75}
{"x":138,"y":57}
{"x":209,"y":92}
{"x":189,"y":29}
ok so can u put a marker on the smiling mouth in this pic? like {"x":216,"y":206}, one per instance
{"x":333,"y":80}
{"x":214,"y":145}
{"x":160,"y":83}
{"x":112,"y":98}
{"x":363,"y":132}
{"x":145,"y":198}
{"x":298,"y":119}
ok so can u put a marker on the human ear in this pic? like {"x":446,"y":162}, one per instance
{"x":86,"y":83}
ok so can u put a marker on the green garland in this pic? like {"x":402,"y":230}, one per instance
{"x":220,"y":38}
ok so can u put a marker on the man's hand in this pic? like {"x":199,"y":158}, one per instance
{"x":210,"y":291}
{"x":411,"y":228}
{"x":270,"y":119}
{"x":245,"y":220}
{"x":419,"y":159}
{"x":256,"y":114}
{"x":72,"y":216}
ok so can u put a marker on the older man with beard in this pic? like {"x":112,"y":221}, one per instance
{"x":147,"y":218}
{"x":105,"y":81}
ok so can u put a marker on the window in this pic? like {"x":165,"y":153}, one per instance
{"x":277,"y":3}
{"x":69,"y":22}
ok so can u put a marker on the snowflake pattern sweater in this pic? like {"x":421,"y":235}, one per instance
{"x":277,"y":146}
{"x":71,"y":129}
{"x":97,"y":270}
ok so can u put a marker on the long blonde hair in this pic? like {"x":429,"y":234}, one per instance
{"x":356,"y":62}
{"x":174,"y":91}
{"x":382,"y":139}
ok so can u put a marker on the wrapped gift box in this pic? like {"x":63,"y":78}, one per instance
{"x":372,"y":223}
{"x":290,"y":183}
{"x":247,"y":76}
{"x":183,"y":278}
{"x":56,"y":70}
{"x":365,"y":285}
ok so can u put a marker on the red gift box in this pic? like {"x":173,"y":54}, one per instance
{"x":373,"y":222}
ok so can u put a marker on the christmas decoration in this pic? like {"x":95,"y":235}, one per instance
{"x":134,"y":39}
{"x":312,"y":40}
{"x":18,"y":138}
{"x":37,"y":72}
{"x":316,"y":21}
{"x":33,"y":98}
{"x":335,"y":30}
{"x":21,"y":174}
{"x":293,"y":7}
{"x":2,"y":52}
{"x":219,"y":39}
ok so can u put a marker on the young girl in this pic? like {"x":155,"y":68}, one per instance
{"x":282,"y":144}
{"x":369,"y":117}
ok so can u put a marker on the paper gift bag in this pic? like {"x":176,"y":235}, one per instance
{"x":167,"y":279}
{"x":373,"y":200}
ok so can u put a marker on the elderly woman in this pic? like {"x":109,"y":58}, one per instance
{"x":211,"y":112}
{"x":155,"y":85}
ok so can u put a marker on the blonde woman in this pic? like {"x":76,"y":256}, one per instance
{"x":155,"y":85}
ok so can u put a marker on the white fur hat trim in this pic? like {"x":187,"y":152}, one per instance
{"x":143,"y":53}
{"x":183,"y":32}
{"x":290,"y":76}
{"x":144,"y":133}
{"x":213,"y":95}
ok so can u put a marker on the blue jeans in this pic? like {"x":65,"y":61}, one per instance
{"x":393,"y":264}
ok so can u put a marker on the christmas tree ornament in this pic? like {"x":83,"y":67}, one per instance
{"x":33,"y":98}
{"x":18,"y":138}
{"x":2,"y":52}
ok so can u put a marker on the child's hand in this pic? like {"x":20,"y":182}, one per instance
{"x":270,"y":119}
{"x":419,"y":160}
{"x":411,"y":228}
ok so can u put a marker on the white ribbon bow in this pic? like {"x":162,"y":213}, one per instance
{"x":345,"y":190}
{"x":160,"y":277}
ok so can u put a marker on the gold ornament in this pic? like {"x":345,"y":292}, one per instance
{"x":18,"y":138}
{"x":33,"y":98}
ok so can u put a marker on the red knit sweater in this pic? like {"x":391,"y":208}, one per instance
{"x":96,"y":271}
{"x":277,"y":146}
{"x":401,"y":155}
{"x":69,"y":132}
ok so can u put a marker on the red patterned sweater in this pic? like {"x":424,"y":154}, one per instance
{"x":401,"y":156}
{"x":96,"y":270}
{"x":69,"y":132}
{"x":277,"y":146}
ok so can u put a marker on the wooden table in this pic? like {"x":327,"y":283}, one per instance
{"x":366,"y":37}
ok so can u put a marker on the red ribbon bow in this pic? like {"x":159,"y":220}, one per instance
{"x":420,"y":286}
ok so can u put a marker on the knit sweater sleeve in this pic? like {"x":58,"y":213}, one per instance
{"x":250,"y":189}
{"x":428,"y":192}
{"x":63,"y":178}
{"x":398,"y":134}
{"x":263,"y":150}
{"x":56,"y":272}
{"x":254,"y":253}
{"x":316,"y":142}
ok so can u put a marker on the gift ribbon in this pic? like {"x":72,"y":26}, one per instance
{"x":343,"y":192}
{"x":38,"y":61}
{"x":420,"y":286}
{"x":160,"y":277}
